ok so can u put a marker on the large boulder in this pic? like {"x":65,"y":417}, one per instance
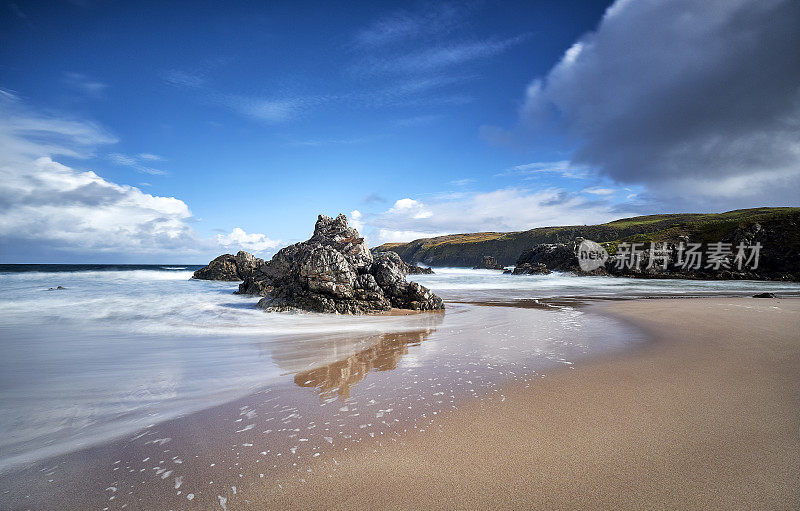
{"x":334,"y":271}
{"x":229,"y":267}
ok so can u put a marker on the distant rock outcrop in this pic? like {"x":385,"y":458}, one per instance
{"x":413,"y":269}
{"x":530,"y":269}
{"x":230,"y":267}
{"x":489,"y":263}
{"x":550,"y":256}
{"x":334,"y":271}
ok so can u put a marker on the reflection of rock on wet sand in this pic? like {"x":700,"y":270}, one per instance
{"x":338,"y":377}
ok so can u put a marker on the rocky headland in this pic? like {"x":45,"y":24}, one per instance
{"x":333,"y":271}
{"x":545,"y":249}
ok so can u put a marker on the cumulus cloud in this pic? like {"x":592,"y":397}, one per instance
{"x":510,"y":209}
{"x":48,"y":202}
{"x":48,"y":208}
{"x":357,"y":220}
{"x":239,"y":239}
{"x":690,"y":98}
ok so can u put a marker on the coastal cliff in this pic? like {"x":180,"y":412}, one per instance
{"x":777,"y":229}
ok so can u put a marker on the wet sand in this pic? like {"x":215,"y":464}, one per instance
{"x":707,"y":416}
{"x":704,"y":415}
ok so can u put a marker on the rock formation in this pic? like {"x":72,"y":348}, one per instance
{"x":530,"y":269}
{"x":334,"y":271}
{"x":489,"y":263}
{"x":229,"y":267}
{"x":413,"y":269}
{"x":551,"y":256}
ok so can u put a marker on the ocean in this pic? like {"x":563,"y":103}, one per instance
{"x":123,"y":347}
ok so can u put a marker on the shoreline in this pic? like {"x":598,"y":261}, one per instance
{"x":440,"y":468}
{"x":677,"y":422}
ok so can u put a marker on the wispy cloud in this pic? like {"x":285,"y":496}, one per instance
{"x":434,"y":19}
{"x":28,"y":134}
{"x":269,"y":109}
{"x":322,"y":142}
{"x":136,"y":163}
{"x":463,"y":182}
{"x":417,"y":120}
{"x":84,"y":84}
{"x":435,"y":59}
{"x":564,"y":168}
{"x":597,"y":190}
{"x":184,"y":79}
{"x":450,"y":55}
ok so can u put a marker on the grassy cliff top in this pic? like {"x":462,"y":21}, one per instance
{"x":462,"y":249}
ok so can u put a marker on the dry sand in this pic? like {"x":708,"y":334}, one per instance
{"x":707,"y":416}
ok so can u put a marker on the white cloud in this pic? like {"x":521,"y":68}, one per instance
{"x":357,"y":220}
{"x":510,"y":209}
{"x":239,"y":239}
{"x":401,"y":236}
{"x":48,"y":208}
{"x":596,"y":190}
{"x":63,"y":208}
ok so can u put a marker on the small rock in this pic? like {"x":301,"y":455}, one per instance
{"x":764,"y":295}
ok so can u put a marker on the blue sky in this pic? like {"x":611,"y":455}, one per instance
{"x":170,"y":131}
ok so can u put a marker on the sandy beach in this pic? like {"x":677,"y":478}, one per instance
{"x":705,"y":416}
{"x":702,"y":414}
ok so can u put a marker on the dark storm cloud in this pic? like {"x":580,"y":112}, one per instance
{"x":686,"y":97}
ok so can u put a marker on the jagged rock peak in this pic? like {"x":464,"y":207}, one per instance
{"x":334,"y":271}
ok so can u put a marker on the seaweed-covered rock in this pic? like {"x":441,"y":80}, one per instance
{"x":334,"y":271}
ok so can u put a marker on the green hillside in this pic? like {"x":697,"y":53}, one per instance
{"x":468,"y":249}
